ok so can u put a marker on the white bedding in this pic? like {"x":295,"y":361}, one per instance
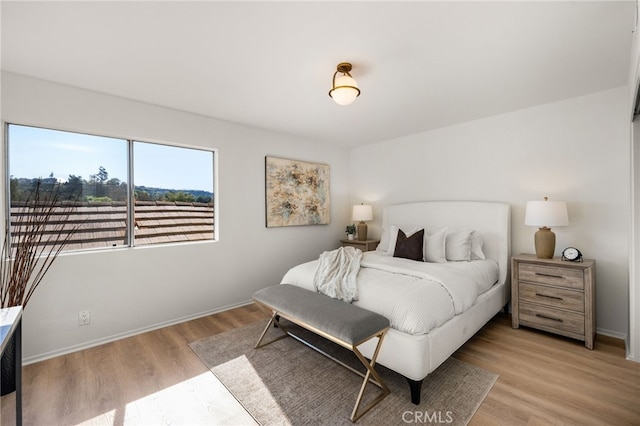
{"x":336,"y":273}
{"x":416,"y":296}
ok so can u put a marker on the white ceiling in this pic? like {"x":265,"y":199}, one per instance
{"x":420,"y":65}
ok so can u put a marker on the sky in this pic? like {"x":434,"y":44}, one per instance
{"x":36,"y":152}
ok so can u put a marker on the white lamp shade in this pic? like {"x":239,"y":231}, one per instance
{"x":362,"y":213}
{"x":546,"y":213}
{"x":346,"y":90}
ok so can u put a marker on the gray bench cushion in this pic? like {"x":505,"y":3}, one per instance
{"x":349,"y":323}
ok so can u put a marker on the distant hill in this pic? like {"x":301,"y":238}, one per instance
{"x":164,"y":193}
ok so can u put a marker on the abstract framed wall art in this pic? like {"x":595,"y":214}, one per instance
{"x":297,"y":193}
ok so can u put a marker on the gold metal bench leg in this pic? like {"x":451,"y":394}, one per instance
{"x":367,"y":377}
{"x":273,"y":320}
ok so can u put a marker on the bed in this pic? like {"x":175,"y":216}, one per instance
{"x":434,"y":306}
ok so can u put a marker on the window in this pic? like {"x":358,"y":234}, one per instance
{"x":90,"y":180}
{"x":183,"y":213}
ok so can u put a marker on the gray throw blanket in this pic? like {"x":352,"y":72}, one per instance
{"x":336,"y":273}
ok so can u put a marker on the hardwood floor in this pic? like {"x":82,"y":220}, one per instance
{"x":550,"y":380}
{"x":149,"y":379}
{"x":155,"y":378}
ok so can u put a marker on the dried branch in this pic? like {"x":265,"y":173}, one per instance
{"x":32,"y":243}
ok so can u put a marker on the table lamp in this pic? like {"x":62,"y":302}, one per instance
{"x":546,"y":214}
{"x":362,"y":213}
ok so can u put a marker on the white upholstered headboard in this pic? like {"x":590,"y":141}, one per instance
{"x":491,"y":220}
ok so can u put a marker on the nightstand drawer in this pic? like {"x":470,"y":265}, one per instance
{"x":551,"y":317}
{"x":562,"y":277}
{"x":572,"y":300}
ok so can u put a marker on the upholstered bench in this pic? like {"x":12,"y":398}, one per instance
{"x":347,"y":325}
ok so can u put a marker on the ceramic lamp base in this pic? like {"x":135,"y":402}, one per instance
{"x":362,"y":231}
{"x":545,"y":242}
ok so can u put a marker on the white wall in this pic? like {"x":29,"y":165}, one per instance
{"x":575,"y":150}
{"x":130,"y":290}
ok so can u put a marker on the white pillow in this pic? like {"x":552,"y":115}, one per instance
{"x":476,"y":246}
{"x":434,"y":246}
{"x":383,"y":245}
{"x":393,"y":237}
{"x":458,"y":244}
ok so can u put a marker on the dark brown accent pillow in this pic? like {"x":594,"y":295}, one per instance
{"x":411,"y":247}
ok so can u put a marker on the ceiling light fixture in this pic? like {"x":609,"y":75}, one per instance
{"x":344,"y":89}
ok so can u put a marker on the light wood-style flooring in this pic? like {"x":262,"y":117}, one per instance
{"x":155,"y":378}
{"x":551,"y":380}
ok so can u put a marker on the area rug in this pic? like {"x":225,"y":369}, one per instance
{"x":287,"y":383}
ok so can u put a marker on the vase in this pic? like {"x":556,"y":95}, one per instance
{"x":350,"y":237}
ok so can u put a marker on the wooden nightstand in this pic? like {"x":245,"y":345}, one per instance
{"x":555,"y":296}
{"x":366,"y":245}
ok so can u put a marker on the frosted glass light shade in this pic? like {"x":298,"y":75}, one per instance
{"x":362,"y":213}
{"x":345,"y":91}
{"x":546,"y":213}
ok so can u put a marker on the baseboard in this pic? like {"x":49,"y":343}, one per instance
{"x":114,"y":337}
{"x":619,"y":336}
{"x":611,"y":333}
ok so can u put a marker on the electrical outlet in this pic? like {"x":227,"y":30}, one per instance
{"x":84,"y":318}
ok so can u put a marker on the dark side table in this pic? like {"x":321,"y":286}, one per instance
{"x":11,"y":346}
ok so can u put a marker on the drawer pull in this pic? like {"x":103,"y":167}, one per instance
{"x":549,"y":297}
{"x":549,"y":318}
{"x":549,"y":275}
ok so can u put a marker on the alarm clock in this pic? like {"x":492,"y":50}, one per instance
{"x":572,"y":254}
